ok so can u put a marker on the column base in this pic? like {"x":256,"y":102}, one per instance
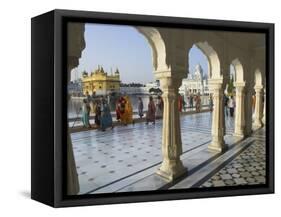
{"x":263,"y":121}
{"x":217,"y":146}
{"x":239,"y":134}
{"x":172,"y":170}
{"x":248,"y":132}
{"x":257,"y":124}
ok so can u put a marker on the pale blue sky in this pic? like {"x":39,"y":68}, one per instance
{"x":121,"y":46}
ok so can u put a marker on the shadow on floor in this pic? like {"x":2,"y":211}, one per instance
{"x":25,"y":194}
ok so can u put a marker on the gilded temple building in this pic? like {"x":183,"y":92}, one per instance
{"x":100,"y":83}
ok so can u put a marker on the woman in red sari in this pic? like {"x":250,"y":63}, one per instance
{"x":120,"y":107}
{"x":180,"y":103}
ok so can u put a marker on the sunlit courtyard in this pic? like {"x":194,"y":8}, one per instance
{"x":165,"y":109}
{"x":125,"y":158}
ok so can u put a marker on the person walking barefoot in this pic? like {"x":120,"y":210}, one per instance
{"x":150,"y":115}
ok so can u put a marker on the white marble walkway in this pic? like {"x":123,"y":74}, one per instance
{"x":108,"y":161}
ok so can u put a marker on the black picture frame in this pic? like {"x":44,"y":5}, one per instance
{"x":48,"y":108}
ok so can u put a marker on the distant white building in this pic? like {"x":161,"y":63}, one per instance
{"x":154,"y":84}
{"x":75,"y":87}
{"x":140,"y":90}
{"x":195,"y":83}
{"x":133,"y":90}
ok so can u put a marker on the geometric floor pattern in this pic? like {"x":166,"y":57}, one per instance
{"x":247,"y":169}
{"x":105,"y":160}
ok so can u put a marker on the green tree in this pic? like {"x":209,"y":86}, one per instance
{"x":230,"y":87}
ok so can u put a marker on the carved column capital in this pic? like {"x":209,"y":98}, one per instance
{"x":170,"y":83}
{"x":240,"y":89}
{"x":215,"y":84}
{"x":258,"y":88}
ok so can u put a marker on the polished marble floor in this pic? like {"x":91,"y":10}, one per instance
{"x":248,"y":168}
{"x":125,"y":158}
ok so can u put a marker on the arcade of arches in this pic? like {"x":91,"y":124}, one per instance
{"x":245,"y":51}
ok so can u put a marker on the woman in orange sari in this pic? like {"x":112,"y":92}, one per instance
{"x":127,"y":116}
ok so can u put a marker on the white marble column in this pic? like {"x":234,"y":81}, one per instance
{"x":217,"y":143}
{"x":172,"y":166}
{"x":258,"y":107}
{"x":248,"y":94}
{"x":239,"y":124}
{"x":264,"y":108}
{"x":75,"y":45}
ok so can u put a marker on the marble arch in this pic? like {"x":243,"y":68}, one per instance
{"x":171,"y":166}
{"x":156,"y":43}
{"x":213,"y":59}
{"x":239,"y":72}
{"x":215,"y":82}
{"x":170,"y":79}
{"x":216,"y":88}
{"x":169,"y":46}
{"x":258,"y":77}
{"x":239,"y":83}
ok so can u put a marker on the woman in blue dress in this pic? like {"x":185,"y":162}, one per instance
{"x":86,"y":113}
{"x":106,"y":118}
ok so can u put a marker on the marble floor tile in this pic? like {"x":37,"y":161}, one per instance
{"x":251,"y":167}
{"x":115,"y":159}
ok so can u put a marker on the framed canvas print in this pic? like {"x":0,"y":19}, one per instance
{"x":134,"y":108}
